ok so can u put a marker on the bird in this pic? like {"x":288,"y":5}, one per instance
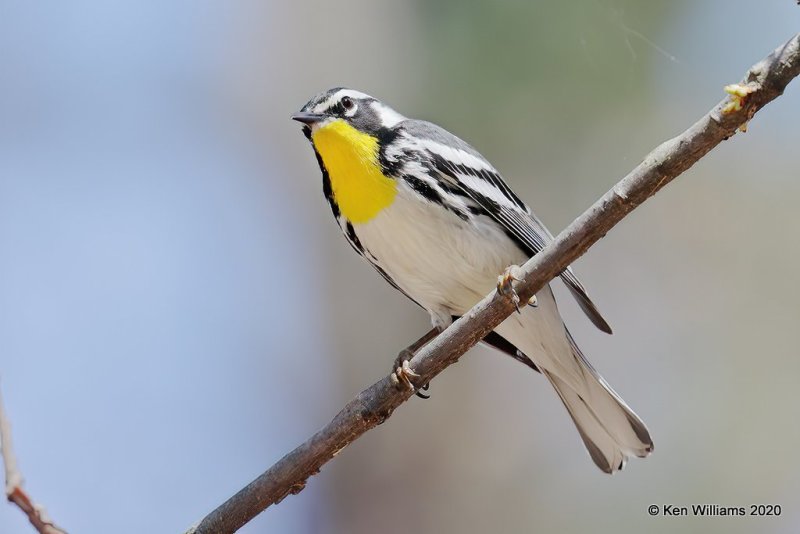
{"x":438,"y":222}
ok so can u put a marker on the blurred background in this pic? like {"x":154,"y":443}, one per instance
{"x":178,"y":308}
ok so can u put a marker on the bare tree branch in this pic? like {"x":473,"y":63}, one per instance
{"x":14,"y":492}
{"x":764,"y":82}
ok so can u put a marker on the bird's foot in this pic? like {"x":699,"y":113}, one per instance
{"x":402,"y":374}
{"x":401,"y":369}
{"x":505,"y":285}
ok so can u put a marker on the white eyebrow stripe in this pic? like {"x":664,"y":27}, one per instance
{"x":335,"y":97}
{"x":341,"y":93}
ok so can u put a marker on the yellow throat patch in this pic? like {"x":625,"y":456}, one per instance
{"x":351,"y":158}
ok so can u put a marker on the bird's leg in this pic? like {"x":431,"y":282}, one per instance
{"x":402,"y":372}
{"x":505,"y":285}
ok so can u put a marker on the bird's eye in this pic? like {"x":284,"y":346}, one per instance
{"x":347,"y":103}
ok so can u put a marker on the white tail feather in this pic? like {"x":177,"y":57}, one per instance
{"x":610,"y":430}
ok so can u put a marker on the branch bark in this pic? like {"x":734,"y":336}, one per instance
{"x":14,"y":492}
{"x":763,"y":82}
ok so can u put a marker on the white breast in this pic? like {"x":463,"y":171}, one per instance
{"x":444,"y":263}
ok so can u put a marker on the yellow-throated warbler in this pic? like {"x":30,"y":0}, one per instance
{"x":437,"y":221}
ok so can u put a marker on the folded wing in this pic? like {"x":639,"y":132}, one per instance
{"x":464,"y":171}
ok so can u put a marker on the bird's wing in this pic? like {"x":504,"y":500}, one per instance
{"x":464,"y":171}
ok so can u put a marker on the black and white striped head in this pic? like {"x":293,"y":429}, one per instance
{"x":360,"y":110}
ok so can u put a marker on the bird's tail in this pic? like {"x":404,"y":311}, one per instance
{"x":611,"y":431}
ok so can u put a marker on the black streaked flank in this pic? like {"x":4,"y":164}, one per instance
{"x":350,"y":232}
{"x":327,"y":190}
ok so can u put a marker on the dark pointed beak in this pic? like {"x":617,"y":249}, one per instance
{"x":307,"y":118}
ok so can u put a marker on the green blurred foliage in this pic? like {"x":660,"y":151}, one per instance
{"x":507,"y":65}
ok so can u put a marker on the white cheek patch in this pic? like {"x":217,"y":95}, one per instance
{"x":389,"y":117}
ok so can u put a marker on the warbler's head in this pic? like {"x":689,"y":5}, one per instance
{"x":364,"y":113}
{"x":348,"y":129}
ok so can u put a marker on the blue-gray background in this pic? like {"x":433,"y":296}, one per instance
{"x":177,"y":308}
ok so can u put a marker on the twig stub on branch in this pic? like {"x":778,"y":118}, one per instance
{"x":13,"y":478}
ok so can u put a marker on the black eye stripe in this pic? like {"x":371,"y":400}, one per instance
{"x":339,"y":108}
